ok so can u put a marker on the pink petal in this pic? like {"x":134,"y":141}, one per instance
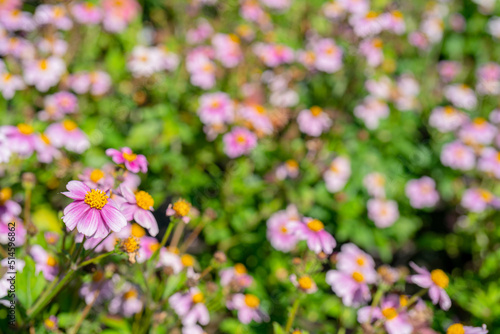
{"x":113,"y":218}
{"x":77,"y":190}
{"x":88,"y":225}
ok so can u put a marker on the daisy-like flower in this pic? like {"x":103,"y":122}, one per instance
{"x":10,"y":84}
{"x":44,"y":262}
{"x":8,"y":208}
{"x":337,"y":175}
{"x":133,"y":162}
{"x":375,"y":184}
{"x":447,"y":119}
{"x":93,"y":213}
{"x":422,"y":192}
{"x":365,"y":25}
{"x":351,"y":259}
{"x":240,"y":141}
{"x":380,"y":87}
{"x":216,"y":108}
{"x":394,"y":322}
{"x":461,"y":329}
{"x":180,"y":209}
{"x":86,"y":13}
{"x":170,"y":259}
{"x":190,"y":307}
{"x":96,"y":83}
{"x":45,"y":151}
{"x":461,"y":96}
{"x":227,"y":49}
{"x":304,"y":283}
{"x":201,"y":69}
{"x":21,"y":138}
{"x":55,"y":46}
{"x":236,"y":276}
{"x":494,"y":26}
{"x":477,"y":199}
{"x":149,"y":245}
{"x":119,"y":13}
{"x":436,"y":281}
{"x":371,"y":111}
{"x":58,"y":105}
{"x":478,"y":132}
{"x":67,"y":134}
{"x":352,"y":287}
{"x":489,"y":162}
{"x":372,"y":50}
{"x":383,"y":213}
{"x":288,"y":169}
{"x":313,"y":231}
{"x":393,"y":21}
{"x":458,"y":156}
{"x":273,"y":55}
{"x":97,"y":178}
{"x":98,"y":283}
{"x":248,"y":308}
{"x":138,"y":207}
{"x":44,"y":73}
{"x":313,"y":121}
{"x":55,"y":15}
{"x":327,"y":55}
{"x":279,"y":229}
{"x":145,"y":61}
{"x":257,"y":116}
{"x":448,"y":70}
{"x":15,"y":19}
{"x":127,"y":301}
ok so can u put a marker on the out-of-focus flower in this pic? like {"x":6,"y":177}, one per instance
{"x":461,"y":329}
{"x":240,"y":141}
{"x":494,"y":27}
{"x":216,"y":108}
{"x":304,"y":283}
{"x":8,"y":208}
{"x":393,"y":21}
{"x":45,"y":151}
{"x":365,"y":25}
{"x":180,"y":209}
{"x":352,"y":287}
{"x":51,"y":323}
{"x":337,"y":175}
{"x":436,"y":281}
{"x":58,"y":105}
{"x":372,"y":50}
{"x":352,"y":259}
{"x":273,"y":55}
{"x":327,"y":55}
{"x":170,"y":260}
{"x":14,"y":19}
{"x":458,"y":156}
{"x":371,"y":111}
{"x":44,"y":73}
{"x":227,"y":49}
{"x":21,"y":138}
{"x":489,"y":162}
{"x":97,"y":178}
{"x":478,"y":131}
{"x":202,"y":31}
{"x":190,"y":307}
{"x":145,"y":61}
{"x":477,"y":199}
{"x":67,"y":134}
{"x":447,"y":119}
{"x":449,"y":69}
{"x":93,"y":213}
{"x":10,"y":84}
{"x":395,"y":322}
{"x":248,"y":308}
{"x":288,"y":169}
{"x":236,"y":276}
{"x":86,"y":13}
{"x":422,"y":192}
{"x":280,"y":229}
{"x":133,"y":162}
{"x":126,"y":301}
{"x":314,"y":233}
{"x":461,"y":96}
{"x":138,"y":207}
{"x":119,"y":13}
{"x":98,"y":283}
{"x":55,"y":15}
{"x":383,"y":213}
{"x":44,"y":262}
{"x":313,"y":121}
{"x":96,"y":83}
{"x":375,"y":184}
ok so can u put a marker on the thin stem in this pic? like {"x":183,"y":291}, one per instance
{"x":84,"y":314}
{"x":292,"y":315}
{"x":163,"y":241}
{"x":94,"y":260}
{"x":192,"y":237}
{"x":177,"y":235}
{"x":93,"y":249}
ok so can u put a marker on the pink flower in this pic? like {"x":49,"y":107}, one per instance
{"x":459,"y":328}
{"x":119,"y":13}
{"x":273,"y":55}
{"x":227,"y":49}
{"x":44,"y":73}
{"x":127,"y":301}
{"x":461,"y":96}
{"x":488,"y":79}
{"x":54,"y":46}
{"x":489,"y":162}
{"x":44,"y":262}
{"x":381,"y":87}
{"x":202,"y":31}
{"x":180,"y":209}
{"x":447,"y":119}
{"x":313,"y":231}
{"x":149,"y":245}
{"x":258,"y":117}
{"x":436,"y":281}
{"x":98,"y":283}
{"x":383,"y":213}
{"x":288,"y":169}
{"x":393,"y":21}
{"x":366,"y":25}
{"x":304,"y":283}
{"x":55,"y":15}
{"x":216,"y":108}
{"x":133,"y":162}
{"x":477,"y":199}
{"x":235,"y":276}
{"x":458,"y":156}
{"x":171,"y":260}
{"x":279,"y":229}
{"x":138,"y":207}
{"x":351,"y":259}
{"x":20,"y":232}
{"x":240,"y":141}
{"x":248,"y":308}
{"x":97,"y":178}
{"x":190,"y":307}
{"x":9,"y":210}
{"x":14,"y":19}
{"x":375,"y":183}
{"x":145,"y":61}
{"x":394,"y":322}
{"x":422,"y":192}
{"x":58,"y":105}
{"x":352,"y":287}
{"x":97,"y":82}
{"x":356,"y":7}
{"x":372,"y":50}
{"x":10,"y":84}
{"x":371,"y":111}
{"x":201,"y":69}
{"x":313,"y":121}
{"x":93,"y":213}
{"x":448,"y":70}
{"x":86,"y":13}
{"x":45,"y":151}
{"x":337,"y":175}
{"x":67,"y":134}
{"x":327,"y":55}
{"x":21,"y":138}
{"x":479,"y":131}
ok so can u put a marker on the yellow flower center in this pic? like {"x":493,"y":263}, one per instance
{"x":7,"y":77}
{"x":49,"y":323}
{"x":208,"y":67}
{"x":440,"y":278}
{"x":403,"y":300}
{"x":479,"y":121}
{"x":305,"y":283}
{"x":360,"y":261}
{"x":181,"y":207}
{"x":98,"y":275}
{"x":137,"y":231}
{"x":240,"y":139}
{"x":51,"y":261}
{"x":43,"y":64}
{"x":456,"y":329}
{"x":129,"y":156}
{"x":144,"y":200}
{"x":69,"y":125}
{"x":215,"y":104}
{"x":358,"y":277}
{"x":315,"y":225}
{"x":187,"y":260}
{"x":284,"y":230}
{"x":96,"y":199}
{"x":131,"y":244}
{"x":316,"y":111}
{"x":371,"y":15}
{"x":397,"y":14}
{"x":154,"y":246}
{"x":252,"y":301}
{"x":198,"y":298}
{"x":234,"y":38}
{"x":240,"y":269}
{"x":292,"y":164}
{"x":25,"y":129}
{"x":449,"y":110}
{"x":96,"y":175}
{"x":389,"y":313}
{"x":45,"y":139}
{"x":486,"y":195}
{"x":5,"y":195}
{"x":377,"y":42}
{"x":130,"y":294}
{"x":260,"y":109}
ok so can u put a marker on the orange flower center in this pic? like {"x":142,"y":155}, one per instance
{"x":198,"y":298}
{"x":144,"y":200}
{"x":45,"y":139}
{"x":486,"y":195}
{"x":440,"y":278}
{"x":315,"y":225}
{"x":96,"y":175}
{"x":403,"y":300}
{"x":137,"y":231}
{"x":389,"y":313}
{"x":187,"y":260}
{"x":131,"y":244}
{"x":44,"y":64}
{"x":69,"y":125}
{"x":305,"y":283}
{"x":240,"y":269}
{"x":358,"y":277}
{"x":96,"y":199}
{"x":181,"y":207}
{"x":129,"y":156}
{"x":5,"y":195}
{"x":316,"y":111}
{"x":456,"y":329}
{"x":25,"y":129}
{"x":360,"y":261}
{"x":51,"y":261}
{"x":284,"y":230}
{"x":252,"y":301}
{"x":130,"y":294}
{"x":98,"y":276}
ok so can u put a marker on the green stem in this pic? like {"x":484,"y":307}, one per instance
{"x":292,"y":315}
{"x":85,"y":254}
{"x":157,"y":251}
{"x":94,"y":260}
